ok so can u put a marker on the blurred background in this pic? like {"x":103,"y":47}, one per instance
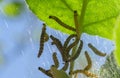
{"x":20,"y":33}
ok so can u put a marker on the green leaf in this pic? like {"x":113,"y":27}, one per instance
{"x":109,"y":67}
{"x":1,"y":1}
{"x":12,"y":9}
{"x":97,"y":17}
{"x":117,"y":40}
{"x":58,"y":73}
{"x":100,"y":15}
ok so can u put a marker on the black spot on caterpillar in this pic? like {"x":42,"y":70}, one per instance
{"x":77,"y":53}
{"x":43,"y":38}
{"x":88,"y":60}
{"x":55,"y":59}
{"x":59,"y":46}
{"x":97,"y":52}
{"x":44,"y":71}
{"x":61,"y":23}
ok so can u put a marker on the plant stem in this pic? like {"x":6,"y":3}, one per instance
{"x":79,"y":27}
{"x":72,"y":62}
{"x":81,"y":19}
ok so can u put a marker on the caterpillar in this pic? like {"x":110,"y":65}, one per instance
{"x":55,"y":60}
{"x":65,"y":67}
{"x":88,"y":60}
{"x":88,"y":74}
{"x":62,"y":24}
{"x":76,"y":21}
{"x":77,"y":53}
{"x":59,"y":46}
{"x":43,"y":38}
{"x":67,"y":50}
{"x":57,"y":42}
{"x":76,"y":71}
{"x":68,"y":40}
{"x":97,"y":52}
{"x":44,"y":71}
{"x":46,"y":37}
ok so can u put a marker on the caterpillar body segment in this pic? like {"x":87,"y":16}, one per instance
{"x":88,"y":60}
{"x":87,"y":73}
{"x":77,"y":53}
{"x":67,"y":50}
{"x":59,"y":45}
{"x":45,"y":71}
{"x":68,"y":40}
{"x":57,"y":42}
{"x":76,"y":22}
{"x":62,"y":24}
{"x":43,"y":38}
{"x":96,"y":51}
{"x":55,"y":59}
{"x":65,"y":67}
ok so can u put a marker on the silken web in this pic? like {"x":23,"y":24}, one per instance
{"x":102,"y":44}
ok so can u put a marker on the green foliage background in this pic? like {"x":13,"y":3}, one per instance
{"x":13,"y":9}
